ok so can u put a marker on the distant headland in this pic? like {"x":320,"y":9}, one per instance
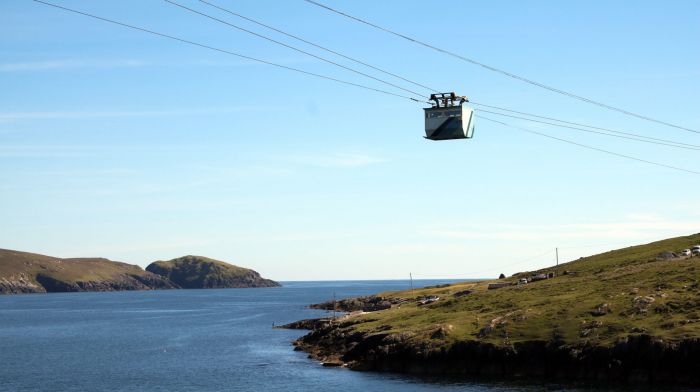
{"x":23,"y":272}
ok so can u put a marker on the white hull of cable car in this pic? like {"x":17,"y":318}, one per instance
{"x":449,"y":123}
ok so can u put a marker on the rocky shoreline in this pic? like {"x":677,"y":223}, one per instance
{"x":371,"y":303}
{"x":635,"y":359}
{"x":625,"y":316}
{"x":47,"y":284}
{"x":125,"y":282}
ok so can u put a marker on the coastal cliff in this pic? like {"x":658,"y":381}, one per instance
{"x":197,"y":272}
{"x":622,"y":316}
{"x":23,"y":272}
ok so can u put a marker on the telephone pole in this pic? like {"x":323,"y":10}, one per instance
{"x":410,"y":278}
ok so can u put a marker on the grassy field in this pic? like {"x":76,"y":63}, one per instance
{"x":602,"y":298}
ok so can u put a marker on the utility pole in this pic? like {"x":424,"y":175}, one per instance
{"x":410,"y":277}
{"x":556,"y":250}
{"x":334,"y":305}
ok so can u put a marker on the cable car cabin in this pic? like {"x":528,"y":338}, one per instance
{"x":448,"y":119}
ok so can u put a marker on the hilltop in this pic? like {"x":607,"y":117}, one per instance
{"x":23,"y":272}
{"x":624,"y":315}
{"x":198,"y":272}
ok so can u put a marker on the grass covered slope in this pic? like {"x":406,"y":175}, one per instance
{"x":23,"y":272}
{"x":197,"y":272}
{"x":602,"y":296}
{"x":603,"y":302}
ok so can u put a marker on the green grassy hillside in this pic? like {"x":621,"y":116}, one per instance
{"x":601,"y":298}
{"x":196,"y":272}
{"x":29,"y":272}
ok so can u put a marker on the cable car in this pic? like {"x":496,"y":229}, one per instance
{"x":448,"y":118}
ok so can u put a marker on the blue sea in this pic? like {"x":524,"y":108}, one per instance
{"x":187,"y":340}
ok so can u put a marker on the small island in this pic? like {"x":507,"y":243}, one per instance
{"x":24,"y":272}
{"x":630,"y":315}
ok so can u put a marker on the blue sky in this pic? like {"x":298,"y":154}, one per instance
{"x":118,"y":144}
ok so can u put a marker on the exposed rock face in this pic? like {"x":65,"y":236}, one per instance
{"x":635,"y":359}
{"x":19,"y":284}
{"x":197,"y":272}
{"x":309,"y":324}
{"x":666,"y":256}
{"x":118,"y":283}
{"x":370,"y":303}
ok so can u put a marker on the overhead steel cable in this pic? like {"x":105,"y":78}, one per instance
{"x":591,"y":147}
{"x":663,"y":141}
{"x":292,"y":47}
{"x":584,"y":125}
{"x":666,"y":142}
{"x":502,"y":72}
{"x":591,"y":131}
{"x":298,"y":38}
{"x":193,"y":43}
{"x":182,"y":40}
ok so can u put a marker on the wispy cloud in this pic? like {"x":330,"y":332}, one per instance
{"x":43,"y":115}
{"x":74,"y":150}
{"x":46,"y":151}
{"x":338,"y":160}
{"x":72,"y":64}
{"x":66,"y":64}
{"x":633,"y":226}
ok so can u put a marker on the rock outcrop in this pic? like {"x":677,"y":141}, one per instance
{"x":635,"y":359}
{"x":370,"y":303}
{"x":21,"y":283}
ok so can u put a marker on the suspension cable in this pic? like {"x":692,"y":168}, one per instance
{"x":296,"y":37}
{"x":591,"y":131}
{"x":591,"y":147}
{"x":291,"y":47}
{"x":633,"y":136}
{"x":502,"y":72}
{"x":193,"y":43}
{"x":583,"y":125}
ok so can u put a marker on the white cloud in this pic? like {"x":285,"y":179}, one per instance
{"x":70,"y":64}
{"x":49,"y":65}
{"x":42,"y":151}
{"x":339,"y":160}
{"x":637,"y":226}
{"x":123,"y":113}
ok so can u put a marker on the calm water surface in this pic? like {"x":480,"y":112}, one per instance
{"x":185,"y":340}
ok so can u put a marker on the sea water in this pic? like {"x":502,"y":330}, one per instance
{"x":187,"y":340}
